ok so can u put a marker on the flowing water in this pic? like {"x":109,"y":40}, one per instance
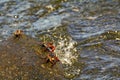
{"x":86,"y":33}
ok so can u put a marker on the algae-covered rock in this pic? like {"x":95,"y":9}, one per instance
{"x":23,"y":59}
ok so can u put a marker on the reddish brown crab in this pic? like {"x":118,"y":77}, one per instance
{"x":52,"y":58}
{"x":18,"y":33}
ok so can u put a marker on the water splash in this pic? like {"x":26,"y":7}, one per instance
{"x":66,"y":51}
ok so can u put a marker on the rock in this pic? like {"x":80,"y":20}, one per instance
{"x":22,"y":59}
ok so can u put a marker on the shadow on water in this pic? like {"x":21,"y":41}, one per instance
{"x":86,"y":33}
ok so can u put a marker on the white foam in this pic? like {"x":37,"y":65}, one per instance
{"x":66,"y":51}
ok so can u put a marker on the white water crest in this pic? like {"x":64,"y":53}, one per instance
{"x":65,"y":50}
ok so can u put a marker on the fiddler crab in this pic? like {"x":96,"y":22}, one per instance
{"x":18,"y":33}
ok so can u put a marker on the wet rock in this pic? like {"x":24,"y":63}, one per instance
{"x":22,"y":59}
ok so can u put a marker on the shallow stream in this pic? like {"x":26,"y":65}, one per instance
{"x":86,"y":33}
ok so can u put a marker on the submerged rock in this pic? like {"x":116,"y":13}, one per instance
{"x":23,"y":59}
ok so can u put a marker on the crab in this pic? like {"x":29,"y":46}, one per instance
{"x":52,"y":58}
{"x":18,"y":33}
{"x":49,"y":47}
